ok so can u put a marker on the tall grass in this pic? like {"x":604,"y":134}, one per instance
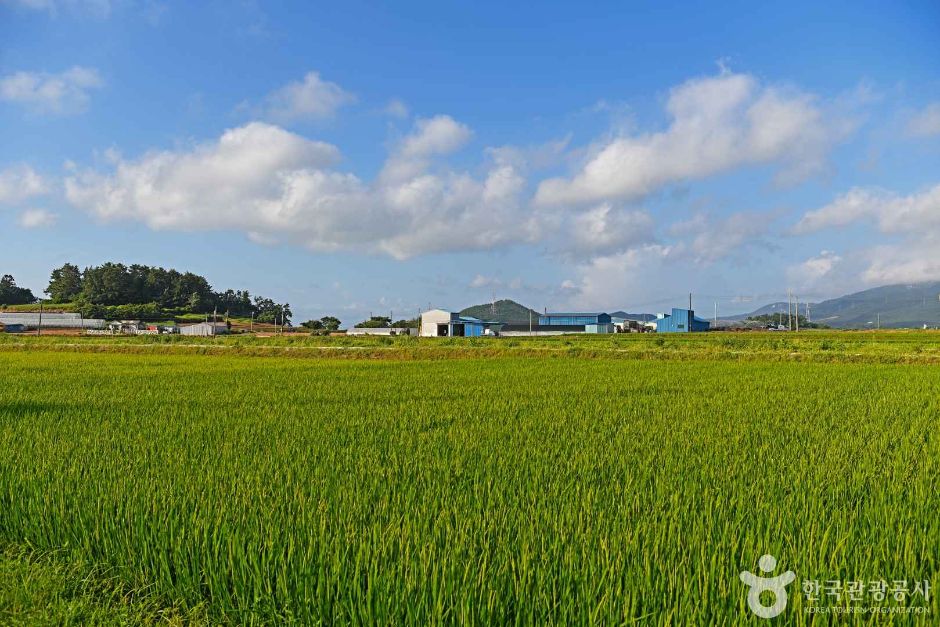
{"x":504,"y":490}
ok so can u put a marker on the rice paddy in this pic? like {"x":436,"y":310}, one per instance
{"x":582,"y":485}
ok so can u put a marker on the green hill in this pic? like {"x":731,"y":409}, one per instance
{"x":506,"y":311}
{"x":907,"y":305}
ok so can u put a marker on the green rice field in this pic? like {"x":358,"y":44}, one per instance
{"x":567,"y":481}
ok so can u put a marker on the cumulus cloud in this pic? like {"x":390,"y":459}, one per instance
{"x":911,"y":262}
{"x":37,"y":219}
{"x":717,"y":123}
{"x":603,"y":230}
{"x":309,"y":98}
{"x":17,"y":183}
{"x":707,"y":240}
{"x":65,"y":93}
{"x":439,"y":135}
{"x":827,"y":269}
{"x":925,"y":123}
{"x":892,"y":213}
{"x":609,"y":281}
{"x":913,"y":220}
{"x":278,"y":186}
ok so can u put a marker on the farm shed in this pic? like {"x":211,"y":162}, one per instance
{"x":680,"y":321}
{"x":441,"y":323}
{"x":205,"y":329}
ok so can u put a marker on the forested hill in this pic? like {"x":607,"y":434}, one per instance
{"x":506,"y":311}
{"x":113,"y":290}
{"x":910,"y":305}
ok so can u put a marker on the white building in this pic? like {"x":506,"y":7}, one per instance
{"x":440,"y":323}
{"x":32,"y":320}
{"x":205,"y":329}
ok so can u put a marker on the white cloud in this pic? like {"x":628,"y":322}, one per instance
{"x":708,"y":240}
{"x":234,"y":182}
{"x":925,"y":123}
{"x":17,"y":183}
{"x":891,"y":212}
{"x":59,"y":94}
{"x":604,"y":230}
{"x":717,"y":123}
{"x":439,"y":135}
{"x":535,"y":157}
{"x":481,"y":281}
{"x":37,"y":218}
{"x":911,"y":262}
{"x":309,"y":98}
{"x":396,"y":108}
{"x":913,"y":220}
{"x":826,"y":270}
{"x":818,"y":267}
{"x":278,"y":186}
{"x":611,"y":281}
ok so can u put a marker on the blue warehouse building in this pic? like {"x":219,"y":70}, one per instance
{"x":576,"y":322}
{"x":681,"y":321}
{"x":573,"y":319}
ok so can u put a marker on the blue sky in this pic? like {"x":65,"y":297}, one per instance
{"x":358,"y":157}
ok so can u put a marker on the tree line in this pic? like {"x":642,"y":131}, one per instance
{"x":781,"y":319}
{"x":12,"y":294}
{"x":139,"y":291}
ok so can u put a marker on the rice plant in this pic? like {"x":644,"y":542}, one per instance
{"x":508,"y":489}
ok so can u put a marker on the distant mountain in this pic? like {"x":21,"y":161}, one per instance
{"x":506,"y":311}
{"x":899,"y":306}
{"x":643,"y":317}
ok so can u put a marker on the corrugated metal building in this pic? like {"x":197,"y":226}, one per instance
{"x":204,"y":329}
{"x":681,"y":321}
{"x":441,"y":323}
{"x":525,"y":330}
{"x":574,"y":319}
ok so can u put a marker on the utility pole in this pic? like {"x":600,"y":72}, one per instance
{"x":530,"y":322}
{"x":797,"y":309}
{"x":251,"y":323}
{"x":39,"y":330}
{"x":716,"y":313}
{"x":690,"y":301}
{"x":879,"y":321}
{"x":808,"y":319}
{"x":789,"y":313}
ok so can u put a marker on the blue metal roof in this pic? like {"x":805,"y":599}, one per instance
{"x":578,"y":313}
{"x":472,"y":320}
